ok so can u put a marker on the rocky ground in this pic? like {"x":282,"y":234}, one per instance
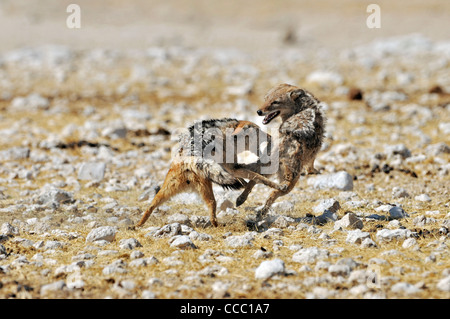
{"x":86,"y":137}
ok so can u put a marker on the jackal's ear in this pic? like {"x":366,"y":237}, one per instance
{"x":296,"y":94}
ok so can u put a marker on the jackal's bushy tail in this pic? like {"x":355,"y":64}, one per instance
{"x":217,"y":174}
{"x":192,"y":151}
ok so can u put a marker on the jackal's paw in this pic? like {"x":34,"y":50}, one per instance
{"x":261,"y":213}
{"x":241,"y":200}
{"x":258,"y":226}
{"x":283,"y":187}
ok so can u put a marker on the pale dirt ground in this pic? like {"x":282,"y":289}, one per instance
{"x":253,"y":25}
{"x":257,"y":28}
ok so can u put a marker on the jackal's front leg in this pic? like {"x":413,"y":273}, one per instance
{"x":243,"y":197}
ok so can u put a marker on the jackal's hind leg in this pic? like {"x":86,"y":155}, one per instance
{"x":204,"y":188}
{"x":173,"y":184}
{"x":163,"y":195}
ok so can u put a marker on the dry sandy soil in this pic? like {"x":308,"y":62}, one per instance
{"x":114,"y":93}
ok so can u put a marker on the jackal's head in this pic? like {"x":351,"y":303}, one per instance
{"x":285,"y":100}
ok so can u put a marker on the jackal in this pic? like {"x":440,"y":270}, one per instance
{"x":207,"y":154}
{"x":301,"y":134}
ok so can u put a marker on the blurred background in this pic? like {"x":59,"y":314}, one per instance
{"x":247,"y":25}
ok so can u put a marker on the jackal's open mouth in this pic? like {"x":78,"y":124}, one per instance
{"x":270,"y":117}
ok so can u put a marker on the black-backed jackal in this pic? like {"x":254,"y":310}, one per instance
{"x":300,"y":137}
{"x":208,"y":154}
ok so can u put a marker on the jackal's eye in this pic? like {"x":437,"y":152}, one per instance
{"x":276,"y":103}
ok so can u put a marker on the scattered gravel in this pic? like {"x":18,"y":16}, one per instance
{"x":374,"y":220}
{"x":387,"y":235}
{"x":239,"y":241}
{"x":356,"y":236}
{"x":310,"y":255}
{"x":182,"y":242}
{"x":269,"y":268}
{"x":349,"y":221}
{"x":129,"y":243}
{"x":341,"y":181}
{"x":92,"y":171}
{"x":104,"y":233}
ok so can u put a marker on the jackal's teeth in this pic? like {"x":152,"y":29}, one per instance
{"x":270,"y":117}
